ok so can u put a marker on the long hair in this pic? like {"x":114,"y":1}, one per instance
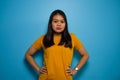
{"x":66,"y":38}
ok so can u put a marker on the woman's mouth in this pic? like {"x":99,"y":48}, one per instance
{"x":58,"y":28}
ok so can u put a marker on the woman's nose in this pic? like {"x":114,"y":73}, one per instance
{"x":59,"y":23}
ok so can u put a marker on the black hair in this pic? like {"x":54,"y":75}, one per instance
{"x":66,"y":38}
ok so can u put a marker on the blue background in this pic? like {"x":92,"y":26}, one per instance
{"x":95,"y":22}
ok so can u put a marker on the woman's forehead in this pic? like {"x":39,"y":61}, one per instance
{"x":58,"y":16}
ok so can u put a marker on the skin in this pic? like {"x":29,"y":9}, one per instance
{"x":58,"y":21}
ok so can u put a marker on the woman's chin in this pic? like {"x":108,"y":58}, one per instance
{"x":58,"y":32}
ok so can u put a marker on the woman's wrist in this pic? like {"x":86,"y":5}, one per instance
{"x":74,"y":72}
{"x":38,"y":69}
{"x":76,"y":68}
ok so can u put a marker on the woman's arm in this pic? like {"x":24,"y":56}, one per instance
{"x":82,"y":51}
{"x":30,"y":52}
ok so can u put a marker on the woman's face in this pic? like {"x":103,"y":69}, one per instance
{"x":58,"y":23}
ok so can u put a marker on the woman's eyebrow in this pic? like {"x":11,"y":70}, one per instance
{"x":58,"y":19}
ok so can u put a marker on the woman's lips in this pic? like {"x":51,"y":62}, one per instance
{"x":58,"y":28}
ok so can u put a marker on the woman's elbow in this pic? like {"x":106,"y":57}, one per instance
{"x":26,"y":56}
{"x":87,"y":56}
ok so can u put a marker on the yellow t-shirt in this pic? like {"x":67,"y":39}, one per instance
{"x":57,"y":58}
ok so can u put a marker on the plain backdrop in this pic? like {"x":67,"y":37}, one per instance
{"x":95,"y":22}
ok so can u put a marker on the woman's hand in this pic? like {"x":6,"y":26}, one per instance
{"x":43,"y":70}
{"x":70,"y":72}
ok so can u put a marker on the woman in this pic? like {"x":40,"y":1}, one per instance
{"x":58,"y":46}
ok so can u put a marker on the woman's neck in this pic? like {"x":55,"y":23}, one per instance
{"x":57,"y":34}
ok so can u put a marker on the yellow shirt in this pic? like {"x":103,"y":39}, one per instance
{"x":57,"y":58}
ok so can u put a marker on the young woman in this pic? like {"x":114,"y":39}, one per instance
{"x":58,"y":46}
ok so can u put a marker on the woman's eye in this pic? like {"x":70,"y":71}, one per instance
{"x":62,"y":21}
{"x":55,"y":21}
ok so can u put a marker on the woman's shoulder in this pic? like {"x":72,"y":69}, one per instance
{"x":41,"y":37}
{"x":72,"y":34}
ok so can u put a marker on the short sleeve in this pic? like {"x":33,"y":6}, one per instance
{"x":77,"y":43}
{"x":38,"y":43}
